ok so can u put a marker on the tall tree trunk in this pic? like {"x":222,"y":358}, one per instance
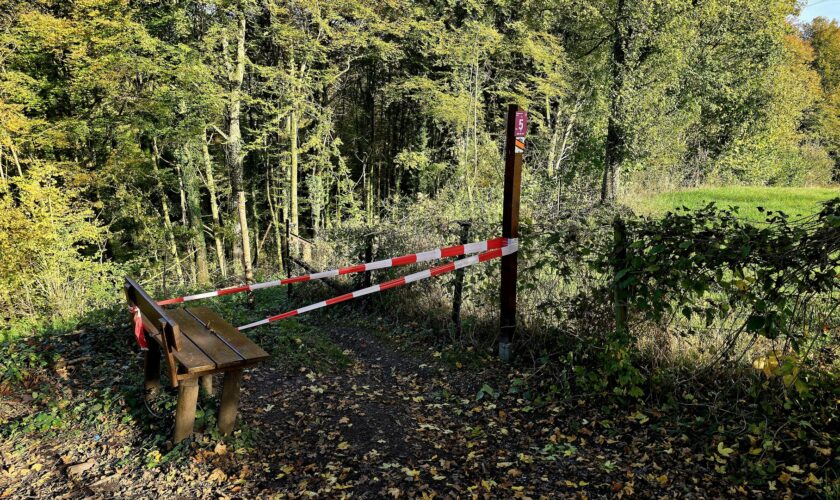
{"x":275,"y":220}
{"x":214,"y":206}
{"x":167,"y":220}
{"x":256,"y":216}
{"x":616,"y":145}
{"x":233,"y":150}
{"x":293,"y":170}
{"x":184,"y":221}
{"x":191,"y":183}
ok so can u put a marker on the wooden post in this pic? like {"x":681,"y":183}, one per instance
{"x":287,"y":253}
{"x":185,"y":412}
{"x":230,"y":400}
{"x":619,"y":264}
{"x":368,"y":258}
{"x":207,"y":384}
{"x":515,"y":133}
{"x":459,"y":282}
{"x":151,"y":369}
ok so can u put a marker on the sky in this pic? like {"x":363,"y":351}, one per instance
{"x":824,"y":8}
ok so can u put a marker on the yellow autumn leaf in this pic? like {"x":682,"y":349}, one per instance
{"x":784,"y":478}
{"x":795,"y":469}
{"x":662,"y":480}
{"x":812,"y":479}
{"x":723,"y":450}
{"x":343,"y":445}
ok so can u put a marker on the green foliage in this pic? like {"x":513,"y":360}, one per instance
{"x":703,"y":264}
{"x":797,"y":202}
{"x":52,"y":244}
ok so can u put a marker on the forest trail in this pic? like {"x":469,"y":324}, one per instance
{"x":396,"y":422}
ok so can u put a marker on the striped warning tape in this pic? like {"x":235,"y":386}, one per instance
{"x":438,"y":253}
{"x":512,"y":245}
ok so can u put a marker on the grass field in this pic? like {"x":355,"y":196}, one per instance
{"x":792,"y":201}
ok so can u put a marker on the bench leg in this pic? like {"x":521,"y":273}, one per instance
{"x":230,"y":400}
{"x":207,"y":384}
{"x":151,"y":369}
{"x":185,"y":413}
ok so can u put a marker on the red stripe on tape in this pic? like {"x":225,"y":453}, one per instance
{"x":391,"y":284}
{"x":496,"y":243}
{"x":442,"y":269}
{"x":492,"y":254}
{"x":166,"y":302}
{"x":235,"y":289}
{"x":340,"y":298}
{"x":405,"y":259}
{"x":451,"y":251}
{"x":353,"y":269}
{"x":296,"y":279}
{"x":284,"y":315}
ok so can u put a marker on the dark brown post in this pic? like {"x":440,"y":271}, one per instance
{"x":459,"y":282}
{"x":185,"y":412}
{"x":514,"y":147}
{"x":368,"y":258}
{"x":230,"y":400}
{"x":287,"y":256}
{"x":152,"y":370}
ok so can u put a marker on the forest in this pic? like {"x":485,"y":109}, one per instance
{"x":679,"y":262}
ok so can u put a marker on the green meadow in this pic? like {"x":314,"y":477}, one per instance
{"x":794,"y":201}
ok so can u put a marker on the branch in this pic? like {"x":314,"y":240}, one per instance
{"x":224,"y":135}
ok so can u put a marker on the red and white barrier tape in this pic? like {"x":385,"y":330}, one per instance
{"x":511,"y":246}
{"x":439,"y":253}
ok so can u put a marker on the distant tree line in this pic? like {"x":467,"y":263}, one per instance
{"x":134,"y":132}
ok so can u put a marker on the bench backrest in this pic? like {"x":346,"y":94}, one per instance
{"x":154,"y":313}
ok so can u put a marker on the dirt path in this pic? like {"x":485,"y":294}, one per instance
{"x":395,"y":423}
{"x":398,"y":425}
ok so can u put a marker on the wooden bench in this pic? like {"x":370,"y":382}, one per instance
{"x":196,"y":343}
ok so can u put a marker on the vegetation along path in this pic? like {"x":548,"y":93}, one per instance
{"x":341,"y":411}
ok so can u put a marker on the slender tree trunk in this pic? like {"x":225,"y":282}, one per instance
{"x":233,"y":151}
{"x":293,"y":170}
{"x":167,"y":220}
{"x":182,"y":194}
{"x":191,"y":250}
{"x":275,"y":220}
{"x":214,"y":206}
{"x":15,"y":158}
{"x":555,"y":136}
{"x":616,"y":139}
{"x":191,"y":183}
{"x":256,"y":216}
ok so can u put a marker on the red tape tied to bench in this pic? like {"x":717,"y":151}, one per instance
{"x":139,"y":330}
{"x":510,"y":246}
{"x":414,"y":258}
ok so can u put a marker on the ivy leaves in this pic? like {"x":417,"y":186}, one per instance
{"x":704,"y":264}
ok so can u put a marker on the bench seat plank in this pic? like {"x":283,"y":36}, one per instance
{"x":189,"y":356}
{"x":251,"y":351}
{"x":208,"y":343}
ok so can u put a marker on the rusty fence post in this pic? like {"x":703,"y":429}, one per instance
{"x":459,"y":282}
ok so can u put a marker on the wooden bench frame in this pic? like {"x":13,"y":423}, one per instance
{"x":165,"y":337}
